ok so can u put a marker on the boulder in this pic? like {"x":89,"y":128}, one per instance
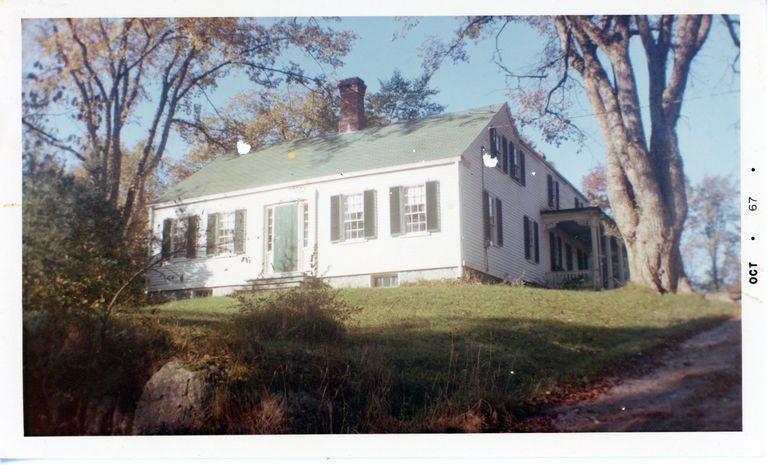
{"x":174,"y":401}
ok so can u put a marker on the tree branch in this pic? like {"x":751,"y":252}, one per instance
{"x":52,"y":140}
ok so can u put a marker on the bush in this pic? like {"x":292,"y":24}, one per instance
{"x":307,"y":313}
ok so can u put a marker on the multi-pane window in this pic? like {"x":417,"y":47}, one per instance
{"x":553,"y":193}
{"x":492,"y":221}
{"x":269,"y":229}
{"x":178,"y":237}
{"x":385,"y":281}
{"x":353,"y":217}
{"x":226,"y":233}
{"x":415,"y":208}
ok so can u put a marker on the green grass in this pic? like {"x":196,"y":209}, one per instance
{"x":448,"y":344}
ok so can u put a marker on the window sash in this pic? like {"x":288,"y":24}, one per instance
{"x":353,"y":219}
{"x":225,"y":239}
{"x":415,"y":208}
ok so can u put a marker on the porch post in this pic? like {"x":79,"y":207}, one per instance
{"x":620,"y":251}
{"x":609,"y":260}
{"x":597,"y":279}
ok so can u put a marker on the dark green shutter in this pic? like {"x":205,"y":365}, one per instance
{"x":395,"y":210}
{"x":512,"y":162}
{"x":522,"y":166}
{"x":527,"y":237}
{"x":536,"y":241}
{"x":165,"y":250}
{"x":486,"y":219}
{"x":550,"y":192}
{"x":504,"y":155}
{"x":552,"y":252}
{"x":192,"y":225}
{"x":239,"y":231}
{"x":557,"y":196}
{"x":499,"y":224}
{"x":494,"y":149}
{"x":211,"y":234}
{"x":369,"y":214}
{"x":433,"y":206}
{"x":335,"y":218}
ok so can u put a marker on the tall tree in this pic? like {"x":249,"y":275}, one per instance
{"x":112,"y":74}
{"x":712,"y":227}
{"x":644,"y":173}
{"x":400,"y":99}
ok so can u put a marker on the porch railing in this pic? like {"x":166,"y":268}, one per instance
{"x":571,"y":279}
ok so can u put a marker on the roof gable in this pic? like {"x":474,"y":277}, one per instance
{"x":432,"y":138}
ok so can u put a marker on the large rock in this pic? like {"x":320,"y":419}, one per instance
{"x":174,"y":401}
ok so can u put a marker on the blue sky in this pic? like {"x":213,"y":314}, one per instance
{"x":708,"y":129}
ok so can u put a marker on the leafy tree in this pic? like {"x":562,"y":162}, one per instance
{"x":259,"y":118}
{"x":644,"y":172}
{"x":295,"y":112}
{"x":400,"y":99}
{"x":594,"y":186}
{"x":109,"y":74}
{"x":73,"y":263}
{"x":712,"y":228}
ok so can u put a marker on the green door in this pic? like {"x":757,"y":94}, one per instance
{"x":286,"y":239}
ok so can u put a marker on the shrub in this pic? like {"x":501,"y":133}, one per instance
{"x":307,"y":313}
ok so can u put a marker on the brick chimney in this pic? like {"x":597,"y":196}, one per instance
{"x":352,"y":115}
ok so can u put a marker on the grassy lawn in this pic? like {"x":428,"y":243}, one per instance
{"x":463,"y":344}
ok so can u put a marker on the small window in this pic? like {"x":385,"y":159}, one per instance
{"x":385,"y":281}
{"x":204,"y":292}
{"x":226,"y":233}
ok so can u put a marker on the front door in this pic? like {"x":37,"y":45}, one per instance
{"x":284,"y":257}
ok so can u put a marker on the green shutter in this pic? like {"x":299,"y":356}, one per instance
{"x":494,"y":149}
{"x":499,"y":224}
{"x":192,"y":225}
{"x":550,"y":192}
{"x":239,"y":231}
{"x":433,"y":206}
{"x":504,"y":156}
{"x":486,"y":219}
{"x":211,"y":234}
{"x":512,"y":162}
{"x":165,"y":250}
{"x":527,"y":237}
{"x":369,"y":214}
{"x":557,"y":196}
{"x":536,"y":241}
{"x":335,"y":218}
{"x":552,"y":252}
{"x":522,"y":166}
{"x":395,"y":210}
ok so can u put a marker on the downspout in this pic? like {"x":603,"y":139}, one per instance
{"x":482,"y":192}
{"x":150,"y":248}
{"x":461,"y":219}
{"x":316,"y":246}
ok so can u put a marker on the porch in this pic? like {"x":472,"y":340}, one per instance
{"x":585,"y":249}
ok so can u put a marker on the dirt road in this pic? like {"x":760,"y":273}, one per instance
{"x":694,"y":387}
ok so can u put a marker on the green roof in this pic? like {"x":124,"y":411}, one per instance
{"x":432,"y":138}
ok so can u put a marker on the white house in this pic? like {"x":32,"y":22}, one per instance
{"x":382,"y":206}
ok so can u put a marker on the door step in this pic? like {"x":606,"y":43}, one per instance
{"x":277,"y":282}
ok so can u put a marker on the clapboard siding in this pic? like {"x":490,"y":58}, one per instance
{"x":383,"y":254}
{"x":507,"y":261}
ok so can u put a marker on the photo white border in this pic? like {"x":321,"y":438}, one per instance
{"x":535,"y":447}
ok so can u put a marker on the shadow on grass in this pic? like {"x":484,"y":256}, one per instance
{"x":511,"y":360}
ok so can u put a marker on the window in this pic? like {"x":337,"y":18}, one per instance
{"x":553,"y":193}
{"x":531,"y":239}
{"x":492,"y":220}
{"x":568,"y":257}
{"x":555,"y":252}
{"x":353,"y":216}
{"x":385,"y":281}
{"x":269,"y":229}
{"x":226,"y":233}
{"x":577,"y":203}
{"x":179,"y":237}
{"x":414,"y":209}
